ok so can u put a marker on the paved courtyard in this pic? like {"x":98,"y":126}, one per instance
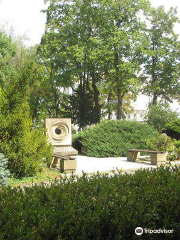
{"x":92,"y":164}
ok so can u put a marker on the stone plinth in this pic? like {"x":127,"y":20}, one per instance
{"x":133,"y":156}
{"x":158,"y":159}
{"x":68,"y":165}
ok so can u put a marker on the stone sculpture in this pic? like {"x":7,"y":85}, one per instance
{"x":59,"y":134}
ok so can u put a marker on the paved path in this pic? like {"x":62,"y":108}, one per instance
{"x":92,"y":164}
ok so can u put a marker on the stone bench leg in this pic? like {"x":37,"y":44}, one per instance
{"x":133,"y":156}
{"x":158,"y":159}
{"x":68,"y":165}
{"x":55,"y":162}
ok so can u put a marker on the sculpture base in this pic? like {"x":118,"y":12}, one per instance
{"x":63,"y":153}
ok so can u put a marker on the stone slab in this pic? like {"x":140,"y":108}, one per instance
{"x":59,"y":131}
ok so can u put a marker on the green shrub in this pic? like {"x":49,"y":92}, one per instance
{"x":24,"y":146}
{"x":159,"y":115}
{"x":114,"y":137}
{"x":177,"y":145}
{"x":163,"y":143}
{"x":172,"y":129}
{"x":94,"y":207}
{"x":4,"y":172}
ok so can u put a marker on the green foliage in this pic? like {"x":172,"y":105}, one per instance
{"x":81,"y":109}
{"x":163,"y":143}
{"x":114,"y":137}
{"x":45,"y":175}
{"x":159,"y":115}
{"x":87,"y":42}
{"x":4,"y":172}
{"x":24,"y":146}
{"x":172,"y":129}
{"x":161,"y":53}
{"x":177,"y":145}
{"x":94,"y":207}
{"x":160,"y":143}
{"x":7,"y":52}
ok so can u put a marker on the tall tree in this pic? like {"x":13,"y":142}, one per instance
{"x":162,"y":55}
{"x":122,"y":33}
{"x":92,"y":42}
{"x":7,"y":52}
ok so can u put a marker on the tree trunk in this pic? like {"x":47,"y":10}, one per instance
{"x":119,"y":105}
{"x":56,"y":101}
{"x":154,"y":101}
{"x":109,"y":108}
{"x":96,"y":98}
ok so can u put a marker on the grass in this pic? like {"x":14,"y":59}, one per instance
{"x":46,"y":175}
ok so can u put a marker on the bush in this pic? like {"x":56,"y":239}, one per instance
{"x":163,"y":143}
{"x":177,"y":145}
{"x":172,"y":129}
{"x":94,"y":207}
{"x":4,"y":172}
{"x":114,"y":137}
{"x":159,"y":115}
{"x":24,"y":146}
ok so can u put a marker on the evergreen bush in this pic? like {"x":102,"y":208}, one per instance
{"x":99,"y":207}
{"x":24,"y":146}
{"x":4,"y":172}
{"x":113,"y":138}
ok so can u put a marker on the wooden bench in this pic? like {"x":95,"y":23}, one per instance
{"x":157,"y":157}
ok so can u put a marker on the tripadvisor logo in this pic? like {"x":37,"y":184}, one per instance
{"x":140,"y":231}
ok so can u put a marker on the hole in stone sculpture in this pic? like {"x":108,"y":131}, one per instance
{"x":58,"y":131}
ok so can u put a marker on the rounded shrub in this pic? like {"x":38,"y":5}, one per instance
{"x":112,"y":138}
{"x":164,"y":143}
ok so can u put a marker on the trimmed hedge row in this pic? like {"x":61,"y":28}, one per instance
{"x":113,"y":138}
{"x":98,"y":207}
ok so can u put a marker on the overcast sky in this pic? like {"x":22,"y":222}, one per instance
{"x":26,"y":18}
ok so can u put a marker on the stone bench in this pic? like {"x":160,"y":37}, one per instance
{"x":67,"y":164}
{"x":157,"y":157}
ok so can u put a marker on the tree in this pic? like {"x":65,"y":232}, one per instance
{"x":7,"y":52}
{"x":91,"y":43}
{"x":68,"y":48}
{"x":24,"y":145}
{"x":159,"y":115}
{"x":122,"y":34}
{"x":162,"y":55}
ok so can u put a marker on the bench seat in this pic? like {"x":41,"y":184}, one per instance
{"x":157,"y":157}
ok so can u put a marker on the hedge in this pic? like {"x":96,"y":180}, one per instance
{"x":112,"y":138}
{"x":99,"y":207}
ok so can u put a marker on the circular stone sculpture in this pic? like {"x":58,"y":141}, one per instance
{"x":59,"y":132}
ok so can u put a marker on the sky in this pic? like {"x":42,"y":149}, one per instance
{"x":26,"y":19}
